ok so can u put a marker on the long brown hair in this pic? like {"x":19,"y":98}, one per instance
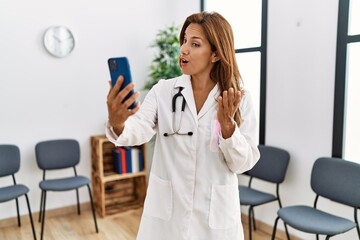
{"x":221,"y":38}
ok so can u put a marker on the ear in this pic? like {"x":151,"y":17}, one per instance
{"x":215,"y":58}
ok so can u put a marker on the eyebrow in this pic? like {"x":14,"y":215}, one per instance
{"x":194,"y":37}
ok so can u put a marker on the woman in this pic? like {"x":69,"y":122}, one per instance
{"x":205,"y":130}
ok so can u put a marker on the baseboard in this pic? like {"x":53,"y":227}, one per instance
{"x":261,"y":226}
{"x":24,"y":218}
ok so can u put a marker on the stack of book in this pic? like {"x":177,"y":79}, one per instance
{"x":128,"y":160}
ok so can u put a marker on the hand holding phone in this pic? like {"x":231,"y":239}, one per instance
{"x":120,"y":66}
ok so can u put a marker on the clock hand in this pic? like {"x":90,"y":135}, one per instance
{"x":56,"y":38}
{"x":65,"y":39}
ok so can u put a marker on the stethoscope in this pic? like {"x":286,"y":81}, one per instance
{"x":173,"y":104}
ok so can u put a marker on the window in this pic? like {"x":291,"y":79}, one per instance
{"x":248,"y":20}
{"x":347,"y":85}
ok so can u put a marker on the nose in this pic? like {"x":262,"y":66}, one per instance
{"x":184,"y":50}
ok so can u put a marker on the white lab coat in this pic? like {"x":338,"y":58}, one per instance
{"x":193,"y":190}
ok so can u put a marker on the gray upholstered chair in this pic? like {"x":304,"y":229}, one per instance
{"x":271,"y":168}
{"x":9,"y":165}
{"x":334,"y":179}
{"x":60,"y":154}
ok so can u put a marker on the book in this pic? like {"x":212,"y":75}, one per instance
{"x":119,"y":160}
{"x":141,"y":161}
{"x":128,"y":160}
{"x":135,"y":160}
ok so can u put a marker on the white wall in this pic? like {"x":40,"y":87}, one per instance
{"x":43,"y":97}
{"x":300,"y":93}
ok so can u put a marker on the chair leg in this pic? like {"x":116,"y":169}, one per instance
{"x":43,"y":215}
{"x":249,"y":221}
{"x":274,"y":229}
{"x":93,"y":208}
{"x":18,"y":212}
{"x":286,"y":231}
{"x":78,"y":202}
{"x":253,"y":218}
{"x":41,"y":203}
{"x":30,"y":215}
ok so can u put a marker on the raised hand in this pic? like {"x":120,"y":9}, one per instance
{"x":228,"y":104}
{"x":118,"y":108}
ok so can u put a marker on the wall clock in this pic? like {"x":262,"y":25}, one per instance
{"x":59,"y":41}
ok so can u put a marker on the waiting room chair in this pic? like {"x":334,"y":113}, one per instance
{"x":331,"y":178}
{"x":60,"y":154}
{"x":271,"y":167}
{"x":9,"y":165}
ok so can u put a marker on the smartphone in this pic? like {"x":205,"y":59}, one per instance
{"x":120,"y":66}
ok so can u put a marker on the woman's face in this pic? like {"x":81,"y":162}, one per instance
{"x":196,"y":57}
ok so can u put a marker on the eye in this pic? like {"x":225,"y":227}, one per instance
{"x":195,"y":44}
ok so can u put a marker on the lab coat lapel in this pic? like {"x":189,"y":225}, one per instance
{"x":187,"y":92}
{"x":210,"y":101}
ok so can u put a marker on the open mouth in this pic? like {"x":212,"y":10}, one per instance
{"x":183,"y":61}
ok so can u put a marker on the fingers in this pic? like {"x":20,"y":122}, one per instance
{"x":220,"y":106}
{"x":119,"y":101}
{"x":117,"y":96}
{"x":228,"y":104}
{"x":115,"y":89}
{"x":230,"y":101}
{"x":125,"y":92}
{"x":135,"y":109}
{"x":128,"y":102}
{"x":237,"y":99}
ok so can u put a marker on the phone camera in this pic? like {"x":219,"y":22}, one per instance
{"x":113,"y":65}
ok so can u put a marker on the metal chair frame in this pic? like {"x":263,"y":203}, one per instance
{"x":10,"y":164}
{"x":334,"y":179}
{"x":45,"y":185}
{"x":269,"y":155}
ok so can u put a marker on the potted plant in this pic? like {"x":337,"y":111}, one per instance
{"x":165,"y":63}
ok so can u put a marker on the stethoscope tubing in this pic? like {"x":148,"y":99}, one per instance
{"x":173,"y":103}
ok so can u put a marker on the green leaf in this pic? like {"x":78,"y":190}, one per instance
{"x":165,"y":62}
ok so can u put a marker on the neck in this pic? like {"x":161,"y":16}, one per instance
{"x":201,"y":83}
